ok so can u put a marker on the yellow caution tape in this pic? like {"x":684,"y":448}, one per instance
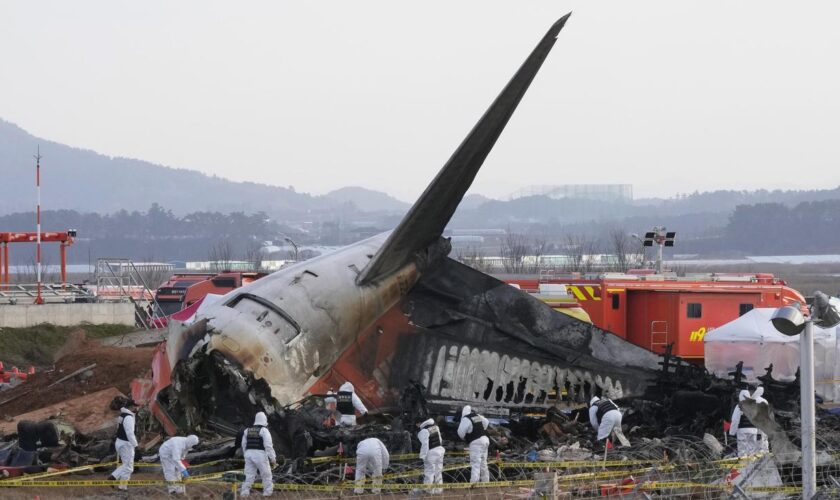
{"x":73,"y":470}
{"x":212,"y":476}
{"x":649,"y":485}
{"x":393,"y":458}
{"x":192,"y":466}
{"x":52,"y":484}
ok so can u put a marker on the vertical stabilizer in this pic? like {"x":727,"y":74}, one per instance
{"x":425,"y":221}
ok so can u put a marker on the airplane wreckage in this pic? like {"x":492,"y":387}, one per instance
{"x":415,"y":331}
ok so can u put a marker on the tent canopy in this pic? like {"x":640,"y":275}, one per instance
{"x":753,"y":340}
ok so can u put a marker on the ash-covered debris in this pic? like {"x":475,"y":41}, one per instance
{"x":683,"y":428}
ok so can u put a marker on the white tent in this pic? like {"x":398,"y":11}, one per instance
{"x":753,"y":340}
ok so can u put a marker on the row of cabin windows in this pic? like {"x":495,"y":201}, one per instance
{"x":694,"y":309}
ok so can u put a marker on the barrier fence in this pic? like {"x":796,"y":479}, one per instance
{"x":665,"y":469}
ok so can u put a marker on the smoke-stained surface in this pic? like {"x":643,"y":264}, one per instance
{"x":481,"y":340}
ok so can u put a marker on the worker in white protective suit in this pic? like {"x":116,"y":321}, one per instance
{"x":431,"y":453}
{"x":330,"y":404}
{"x":371,"y":458}
{"x":347,"y":402}
{"x":473,"y":430}
{"x":605,"y":418}
{"x":751,"y":440}
{"x":125,"y":443}
{"x":258,"y":450}
{"x":172,"y":453}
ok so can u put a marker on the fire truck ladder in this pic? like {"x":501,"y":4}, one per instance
{"x":658,"y":335}
{"x":122,"y":276}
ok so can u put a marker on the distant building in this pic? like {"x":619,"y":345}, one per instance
{"x":603,"y":192}
{"x":219,"y":265}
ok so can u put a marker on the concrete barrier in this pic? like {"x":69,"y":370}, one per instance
{"x":24,"y":315}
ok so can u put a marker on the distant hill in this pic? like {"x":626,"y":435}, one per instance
{"x":725,"y":200}
{"x":86,"y":181}
{"x":368,"y":200}
{"x":472,"y":201}
{"x":697,"y":210}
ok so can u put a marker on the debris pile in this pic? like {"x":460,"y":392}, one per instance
{"x":13,"y":377}
{"x":93,"y":368}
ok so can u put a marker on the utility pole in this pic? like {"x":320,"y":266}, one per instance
{"x":789,"y":320}
{"x":38,"y":298}
{"x":807,"y":404}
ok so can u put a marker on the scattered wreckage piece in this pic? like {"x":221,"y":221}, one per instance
{"x":81,"y":371}
{"x":89,"y":414}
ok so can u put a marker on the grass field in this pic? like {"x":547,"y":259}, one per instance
{"x":37,"y":345}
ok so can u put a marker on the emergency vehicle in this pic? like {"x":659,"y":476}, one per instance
{"x":184,"y":289}
{"x":654,"y":310}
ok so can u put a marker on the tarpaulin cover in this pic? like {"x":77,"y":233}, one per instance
{"x":753,"y":340}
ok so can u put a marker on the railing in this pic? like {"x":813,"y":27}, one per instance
{"x":121,"y":280}
{"x":25,"y":293}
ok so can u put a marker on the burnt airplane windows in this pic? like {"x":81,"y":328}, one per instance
{"x":269,"y":316}
{"x":488,"y":389}
{"x":694,"y":310}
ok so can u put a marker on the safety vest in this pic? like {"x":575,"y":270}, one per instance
{"x":344,"y":403}
{"x":745,"y":422}
{"x":478,"y":429}
{"x":253,"y":440}
{"x":434,"y":436}
{"x":604,"y":405}
{"x":121,"y":434}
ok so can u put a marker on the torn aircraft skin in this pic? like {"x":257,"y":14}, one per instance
{"x":300,"y":330}
{"x":480,"y":340}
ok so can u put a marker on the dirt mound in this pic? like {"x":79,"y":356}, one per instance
{"x":76,"y":341}
{"x":115,"y":366}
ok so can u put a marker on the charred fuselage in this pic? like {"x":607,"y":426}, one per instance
{"x":392,"y":309}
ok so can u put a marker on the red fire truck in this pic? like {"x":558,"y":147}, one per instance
{"x":184,"y":289}
{"x":654,"y":310}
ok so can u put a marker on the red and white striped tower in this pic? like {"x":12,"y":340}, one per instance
{"x":38,"y":299}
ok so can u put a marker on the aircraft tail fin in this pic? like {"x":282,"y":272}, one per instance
{"x":425,"y":221}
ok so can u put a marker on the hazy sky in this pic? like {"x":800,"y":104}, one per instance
{"x":668,"y":96}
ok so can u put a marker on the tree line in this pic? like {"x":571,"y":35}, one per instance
{"x":155,"y":234}
{"x":811,"y":227}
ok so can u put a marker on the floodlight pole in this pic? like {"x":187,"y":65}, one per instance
{"x":659,"y":258}
{"x":807,"y":404}
{"x":659,"y":238}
